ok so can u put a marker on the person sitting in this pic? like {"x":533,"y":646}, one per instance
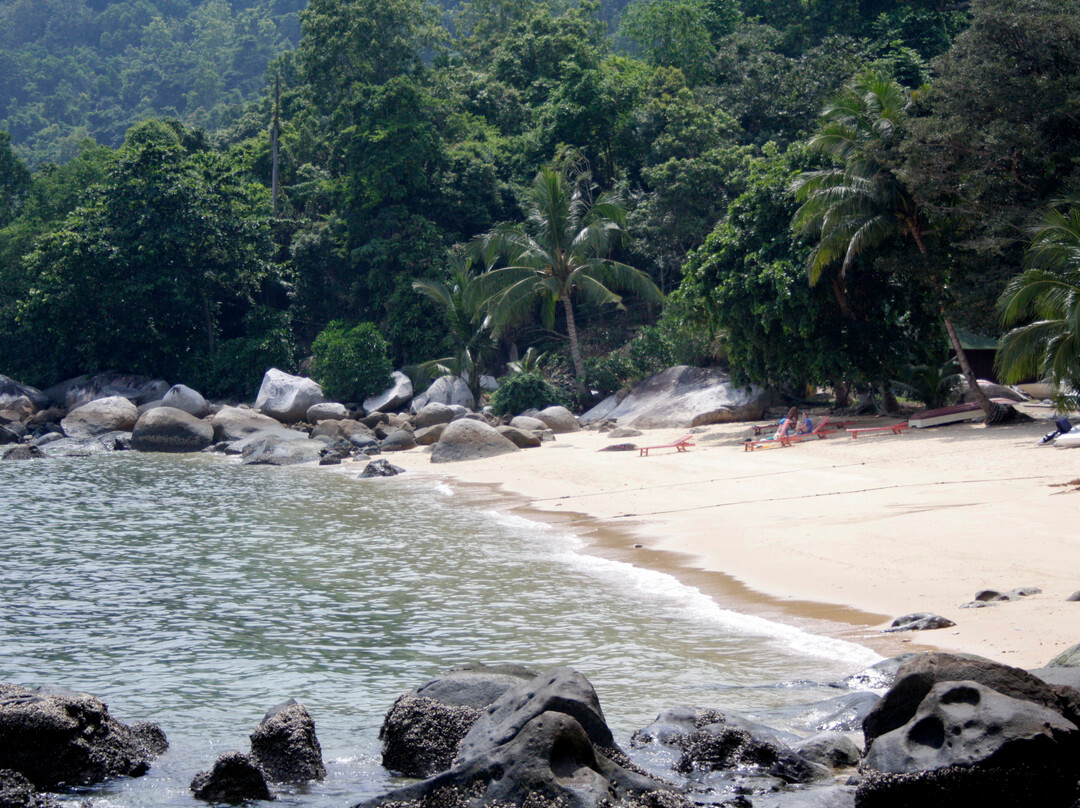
{"x":805,"y":424}
{"x":788,"y":425}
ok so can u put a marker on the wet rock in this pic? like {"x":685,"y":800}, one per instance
{"x":920,"y":621}
{"x":285,"y":746}
{"x":833,"y":749}
{"x":421,"y":736}
{"x":878,"y":676}
{"x":234,"y":778}
{"x":56,"y":737}
{"x":381,"y":468}
{"x":182,"y":397}
{"x":24,"y":452}
{"x":393,"y":398}
{"x":166,"y":429}
{"x":18,"y":792}
{"x":280,"y":447}
{"x":8,"y":435}
{"x":287,"y":398}
{"x":400,"y":440}
{"x":151,"y":736}
{"x":840,"y":714}
{"x":112,"y":414}
{"x":470,"y":440}
{"x":85,"y":447}
{"x":326,"y":411}
{"x":721,"y":747}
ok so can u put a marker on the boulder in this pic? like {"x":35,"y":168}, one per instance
{"x":429,"y":434}
{"x":835,"y":750}
{"x":470,"y":440}
{"x":968,"y":744}
{"x":19,"y":409}
{"x":286,"y":397}
{"x":1069,"y":658}
{"x":24,"y":452}
{"x":182,"y":397}
{"x":400,"y":440}
{"x":85,"y":447}
{"x":459,"y":411}
{"x":285,"y":747}
{"x":393,"y":398}
{"x":343,"y":430}
{"x":18,"y":792}
{"x":235,"y":778}
{"x":445,"y":390}
{"x":682,"y":397}
{"x":519,"y":437}
{"x":433,"y":413}
{"x":9,"y":435}
{"x":920,"y":621}
{"x":326,"y":411}
{"x":56,"y":737}
{"x":73,"y":393}
{"x":11,"y":391}
{"x":280,"y":447}
{"x":993,"y":390}
{"x":528,"y":423}
{"x":237,"y":423}
{"x":111,"y":414}
{"x":624,"y":432}
{"x":166,"y":429}
{"x":558,"y":419}
{"x":374,"y":419}
{"x":381,"y":468}
{"x":151,"y":736}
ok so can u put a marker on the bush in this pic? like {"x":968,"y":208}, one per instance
{"x":236,"y":368}
{"x":608,"y":374}
{"x":523,"y":391}
{"x":350,"y":363}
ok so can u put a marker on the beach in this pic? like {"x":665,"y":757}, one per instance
{"x":838,"y":535}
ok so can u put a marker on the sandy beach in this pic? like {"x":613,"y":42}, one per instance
{"x":838,"y":535}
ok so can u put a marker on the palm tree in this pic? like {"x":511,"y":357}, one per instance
{"x":859,"y":204}
{"x":558,"y":252}
{"x":1049,"y":291}
{"x":468,"y":329}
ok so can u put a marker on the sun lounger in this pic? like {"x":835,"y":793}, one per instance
{"x":819,"y":432}
{"x":680,"y":446}
{"x":833,"y":426}
{"x":894,"y":429}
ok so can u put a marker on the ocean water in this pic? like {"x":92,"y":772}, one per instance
{"x":198,"y":593}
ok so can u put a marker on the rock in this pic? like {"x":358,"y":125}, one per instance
{"x":393,"y":398}
{"x":149,"y":405}
{"x":182,"y":397}
{"x":459,"y":411}
{"x":326,"y":411}
{"x":236,"y":423}
{"x":85,"y":447}
{"x":840,"y":714}
{"x":1069,"y":658}
{"x":24,"y":452}
{"x":433,"y":413}
{"x":920,"y":621}
{"x":993,"y":390}
{"x":235,"y":778}
{"x":559,"y":420}
{"x":832,"y":749}
{"x":993,"y":596}
{"x":967,"y":744}
{"x":878,"y":676}
{"x":527,"y":423}
{"x":74,"y":393}
{"x":52,"y":415}
{"x":56,"y":737}
{"x":19,"y":409}
{"x":421,"y":736}
{"x":624,"y":432}
{"x":1074,"y":597}
{"x":285,"y":747}
{"x":8,"y":435}
{"x":400,"y":440}
{"x":683,"y":396}
{"x":381,"y":468}
{"x":429,"y":434}
{"x":18,"y":792}
{"x":373,"y":420}
{"x":166,"y":429}
{"x":343,"y":430}
{"x":112,"y":414}
{"x":475,"y":684}
{"x":286,"y":397}
{"x":151,"y":736}
{"x":11,"y":391}
{"x":445,"y":390}
{"x":470,"y":440}
{"x":519,"y":437}
{"x":280,"y":447}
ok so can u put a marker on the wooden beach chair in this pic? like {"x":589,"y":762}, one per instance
{"x":819,"y":432}
{"x":680,"y":445}
{"x":893,"y":429}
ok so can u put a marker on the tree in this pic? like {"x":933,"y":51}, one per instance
{"x":1049,"y":291}
{"x":14,"y":180}
{"x":558,"y":252}
{"x":859,"y":204}
{"x":679,"y":33}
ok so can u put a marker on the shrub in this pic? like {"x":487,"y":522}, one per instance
{"x":350,"y":363}
{"x":608,"y":374}
{"x":523,"y":391}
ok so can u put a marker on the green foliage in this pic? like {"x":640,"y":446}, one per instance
{"x":350,"y":363}
{"x":680,"y":33}
{"x":237,"y":366}
{"x":14,"y":180}
{"x":523,"y":391}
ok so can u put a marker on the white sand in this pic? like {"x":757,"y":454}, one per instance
{"x":884,"y":525}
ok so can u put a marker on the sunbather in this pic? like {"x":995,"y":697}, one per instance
{"x":788,"y":425}
{"x":805,"y":424}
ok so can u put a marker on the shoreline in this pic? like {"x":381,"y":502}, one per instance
{"x":866,"y":530}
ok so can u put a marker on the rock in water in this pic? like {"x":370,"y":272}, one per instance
{"x":285,"y":747}
{"x":286,"y":397}
{"x":18,"y":792}
{"x":112,"y":414}
{"x":470,"y":440}
{"x":381,"y":468}
{"x":166,"y":429}
{"x":234,"y":779}
{"x":56,"y":737}
{"x":182,"y":397}
{"x":24,"y":452}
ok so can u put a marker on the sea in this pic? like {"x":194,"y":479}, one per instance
{"x":197,"y":593}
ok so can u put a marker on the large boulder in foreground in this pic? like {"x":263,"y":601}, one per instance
{"x":285,"y":747}
{"x":392,"y":399}
{"x":683,"y":397}
{"x":112,"y":414}
{"x":445,"y":390}
{"x":470,"y":440}
{"x":287,"y":398}
{"x":56,"y":737}
{"x":182,"y":397}
{"x":165,"y":429}
{"x":235,"y":778}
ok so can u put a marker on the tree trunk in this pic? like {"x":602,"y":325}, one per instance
{"x":995,"y":413}
{"x":888,"y":398}
{"x":842,"y":394}
{"x":208,"y":324}
{"x":575,"y":346}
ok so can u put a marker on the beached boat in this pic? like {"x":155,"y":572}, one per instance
{"x":951,"y":415}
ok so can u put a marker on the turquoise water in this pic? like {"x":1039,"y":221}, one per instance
{"x":196,"y":593}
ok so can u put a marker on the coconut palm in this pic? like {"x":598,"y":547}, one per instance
{"x":559,"y":252}
{"x":859,"y":204}
{"x":1049,"y":291}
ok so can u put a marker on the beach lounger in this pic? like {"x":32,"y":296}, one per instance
{"x":819,"y":432}
{"x":680,"y":446}
{"x":894,"y":429}
{"x":833,"y":426}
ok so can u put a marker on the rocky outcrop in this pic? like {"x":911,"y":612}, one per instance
{"x":326,"y":411}
{"x":558,"y":419}
{"x":236,"y":423}
{"x":56,"y":737}
{"x":112,"y":414}
{"x":23,"y":452}
{"x":165,"y":429}
{"x":11,"y":391}
{"x":445,"y":390}
{"x":235,"y":778}
{"x":18,"y":792}
{"x":280,"y":447}
{"x":285,"y":746}
{"x":470,"y":440}
{"x":182,"y":397}
{"x":393,"y":398}
{"x":287,"y":398}
{"x":682,"y":396}
{"x":74,"y":393}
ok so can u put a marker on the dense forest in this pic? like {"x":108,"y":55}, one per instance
{"x":823,"y":192}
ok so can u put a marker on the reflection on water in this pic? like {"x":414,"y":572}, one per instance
{"x":197,"y":594}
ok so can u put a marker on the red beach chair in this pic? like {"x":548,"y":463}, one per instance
{"x":893,"y":429}
{"x":680,"y":445}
